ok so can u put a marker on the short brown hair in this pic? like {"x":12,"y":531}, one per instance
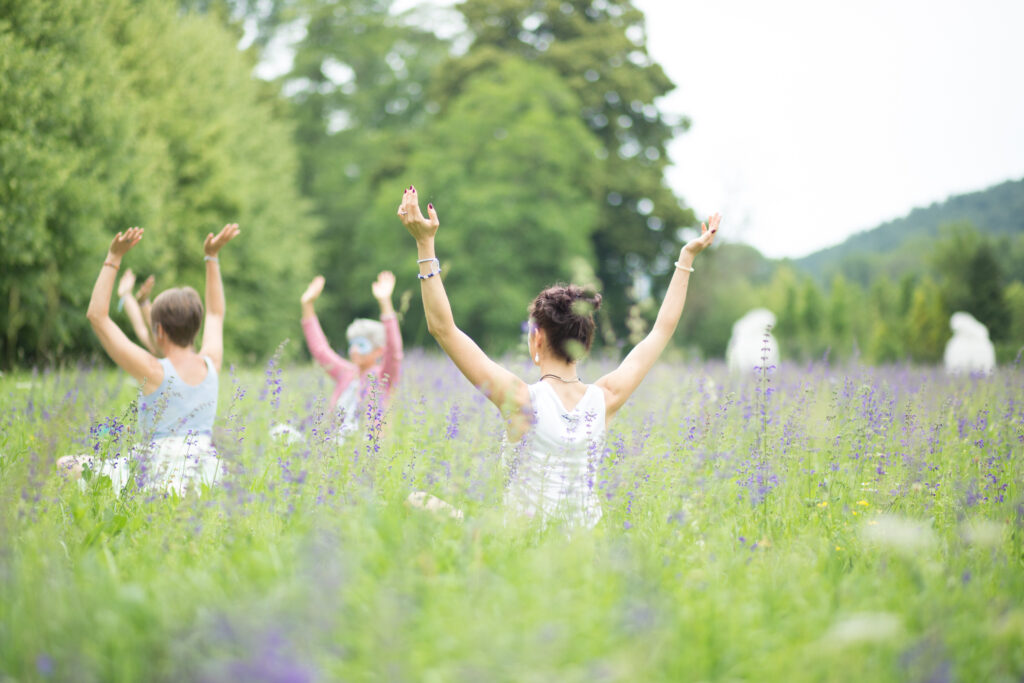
{"x":566,"y":314}
{"x":180,"y":312}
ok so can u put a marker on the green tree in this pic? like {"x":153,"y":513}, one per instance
{"x":136,"y":115}
{"x":972,"y":277}
{"x":358,"y":93}
{"x":812,"y":319}
{"x":732,"y":281}
{"x":886,"y":343}
{"x":598,"y":50}
{"x":507,"y":167}
{"x":784,"y":298}
{"x":841,"y":324}
{"x":927,"y":323}
{"x":1014,"y":296}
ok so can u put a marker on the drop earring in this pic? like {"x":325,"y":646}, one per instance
{"x":536,"y":358}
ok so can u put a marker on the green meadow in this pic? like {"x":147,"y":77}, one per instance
{"x":811,"y":523}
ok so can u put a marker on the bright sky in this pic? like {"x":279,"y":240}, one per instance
{"x":813,"y":119}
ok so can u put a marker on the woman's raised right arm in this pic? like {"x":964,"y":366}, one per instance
{"x":130,"y":357}
{"x":502,"y":387}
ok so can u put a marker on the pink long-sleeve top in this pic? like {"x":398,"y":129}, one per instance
{"x":344,"y":371}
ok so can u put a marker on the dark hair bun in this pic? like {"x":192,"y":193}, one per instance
{"x":566,"y":314}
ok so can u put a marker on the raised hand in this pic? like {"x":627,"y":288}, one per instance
{"x":126,"y":284}
{"x":707,"y":236}
{"x":419,"y":226}
{"x":212,"y":245}
{"x":124,"y":241}
{"x":313,"y":291}
{"x":384,"y":285}
{"x":145,"y":289}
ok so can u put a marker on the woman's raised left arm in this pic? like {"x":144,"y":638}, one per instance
{"x":216,"y":306}
{"x":621,"y":382}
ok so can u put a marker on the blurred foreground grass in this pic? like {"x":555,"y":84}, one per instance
{"x":816,"y":524}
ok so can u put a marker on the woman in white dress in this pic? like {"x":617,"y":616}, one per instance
{"x":557,"y":424}
{"x":178,"y":392}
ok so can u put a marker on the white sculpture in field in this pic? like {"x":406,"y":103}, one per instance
{"x":752,"y":344}
{"x":969,"y":351}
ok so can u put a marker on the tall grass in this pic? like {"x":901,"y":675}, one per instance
{"x":847,"y":524}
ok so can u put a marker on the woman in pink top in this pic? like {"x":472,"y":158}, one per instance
{"x":374,"y":352}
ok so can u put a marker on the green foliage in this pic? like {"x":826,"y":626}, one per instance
{"x":137,"y":115}
{"x":730,"y":280}
{"x":1014,"y":296}
{"x":506,"y":166}
{"x":927,"y":324}
{"x":357,"y":91}
{"x":598,"y":50}
{"x":887,"y":545}
{"x":894,"y":248}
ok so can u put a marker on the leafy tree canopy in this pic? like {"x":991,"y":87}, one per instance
{"x":128,"y":113}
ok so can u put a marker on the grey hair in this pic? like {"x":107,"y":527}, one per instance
{"x":364,"y":327}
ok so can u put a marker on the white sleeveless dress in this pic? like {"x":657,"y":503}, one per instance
{"x":175,"y":451}
{"x":553,"y":468}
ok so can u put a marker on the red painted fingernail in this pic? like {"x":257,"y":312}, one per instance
{"x":715,"y":230}
{"x":430,"y":206}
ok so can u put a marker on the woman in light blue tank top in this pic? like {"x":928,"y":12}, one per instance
{"x":557,"y":422}
{"x":178,"y":393}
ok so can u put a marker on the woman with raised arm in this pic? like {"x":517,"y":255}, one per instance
{"x":374,"y":355}
{"x":137,"y":307}
{"x":557,"y":423}
{"x":178,"y":393}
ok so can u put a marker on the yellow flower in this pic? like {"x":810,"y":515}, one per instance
{"x":839,"y":547}
{"x":862,"y":502}
{"x":823,"y":504}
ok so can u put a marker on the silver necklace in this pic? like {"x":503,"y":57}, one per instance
{"x":560,"y":379}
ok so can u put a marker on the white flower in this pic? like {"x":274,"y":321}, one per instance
{"x":981,"y":532}
{"x":903,"y":535}
{"x":865,"y":627}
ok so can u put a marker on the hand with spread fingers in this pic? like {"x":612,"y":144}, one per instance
{"x":124,"y":241}
{"x":213,"y":243}
{"x":707,"y":235}
{"x":419,"y":226}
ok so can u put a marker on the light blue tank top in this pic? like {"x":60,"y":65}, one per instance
{"x":177,"y":408}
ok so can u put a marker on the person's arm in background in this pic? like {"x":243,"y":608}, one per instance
{"x":145,"y":305}
{"x":342,"y":370}
{"x":133,"y":310}
{"x":391,"y":363}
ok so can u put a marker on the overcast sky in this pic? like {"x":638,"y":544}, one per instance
{"x":813,"y":119}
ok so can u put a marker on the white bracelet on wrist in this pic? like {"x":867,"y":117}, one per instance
{"x":436,"y":267}
{"x":211,"y":258}
{"x":682,"y":267}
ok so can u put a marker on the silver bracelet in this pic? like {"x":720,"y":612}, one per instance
{"x":676,"y":264}
{"x":437,"y":264}
{"x":211,"y":258}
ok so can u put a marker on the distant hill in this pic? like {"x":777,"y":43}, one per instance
{"x":896,"y":247}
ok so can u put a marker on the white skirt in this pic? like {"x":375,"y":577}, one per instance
{"x":174,"y":464}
